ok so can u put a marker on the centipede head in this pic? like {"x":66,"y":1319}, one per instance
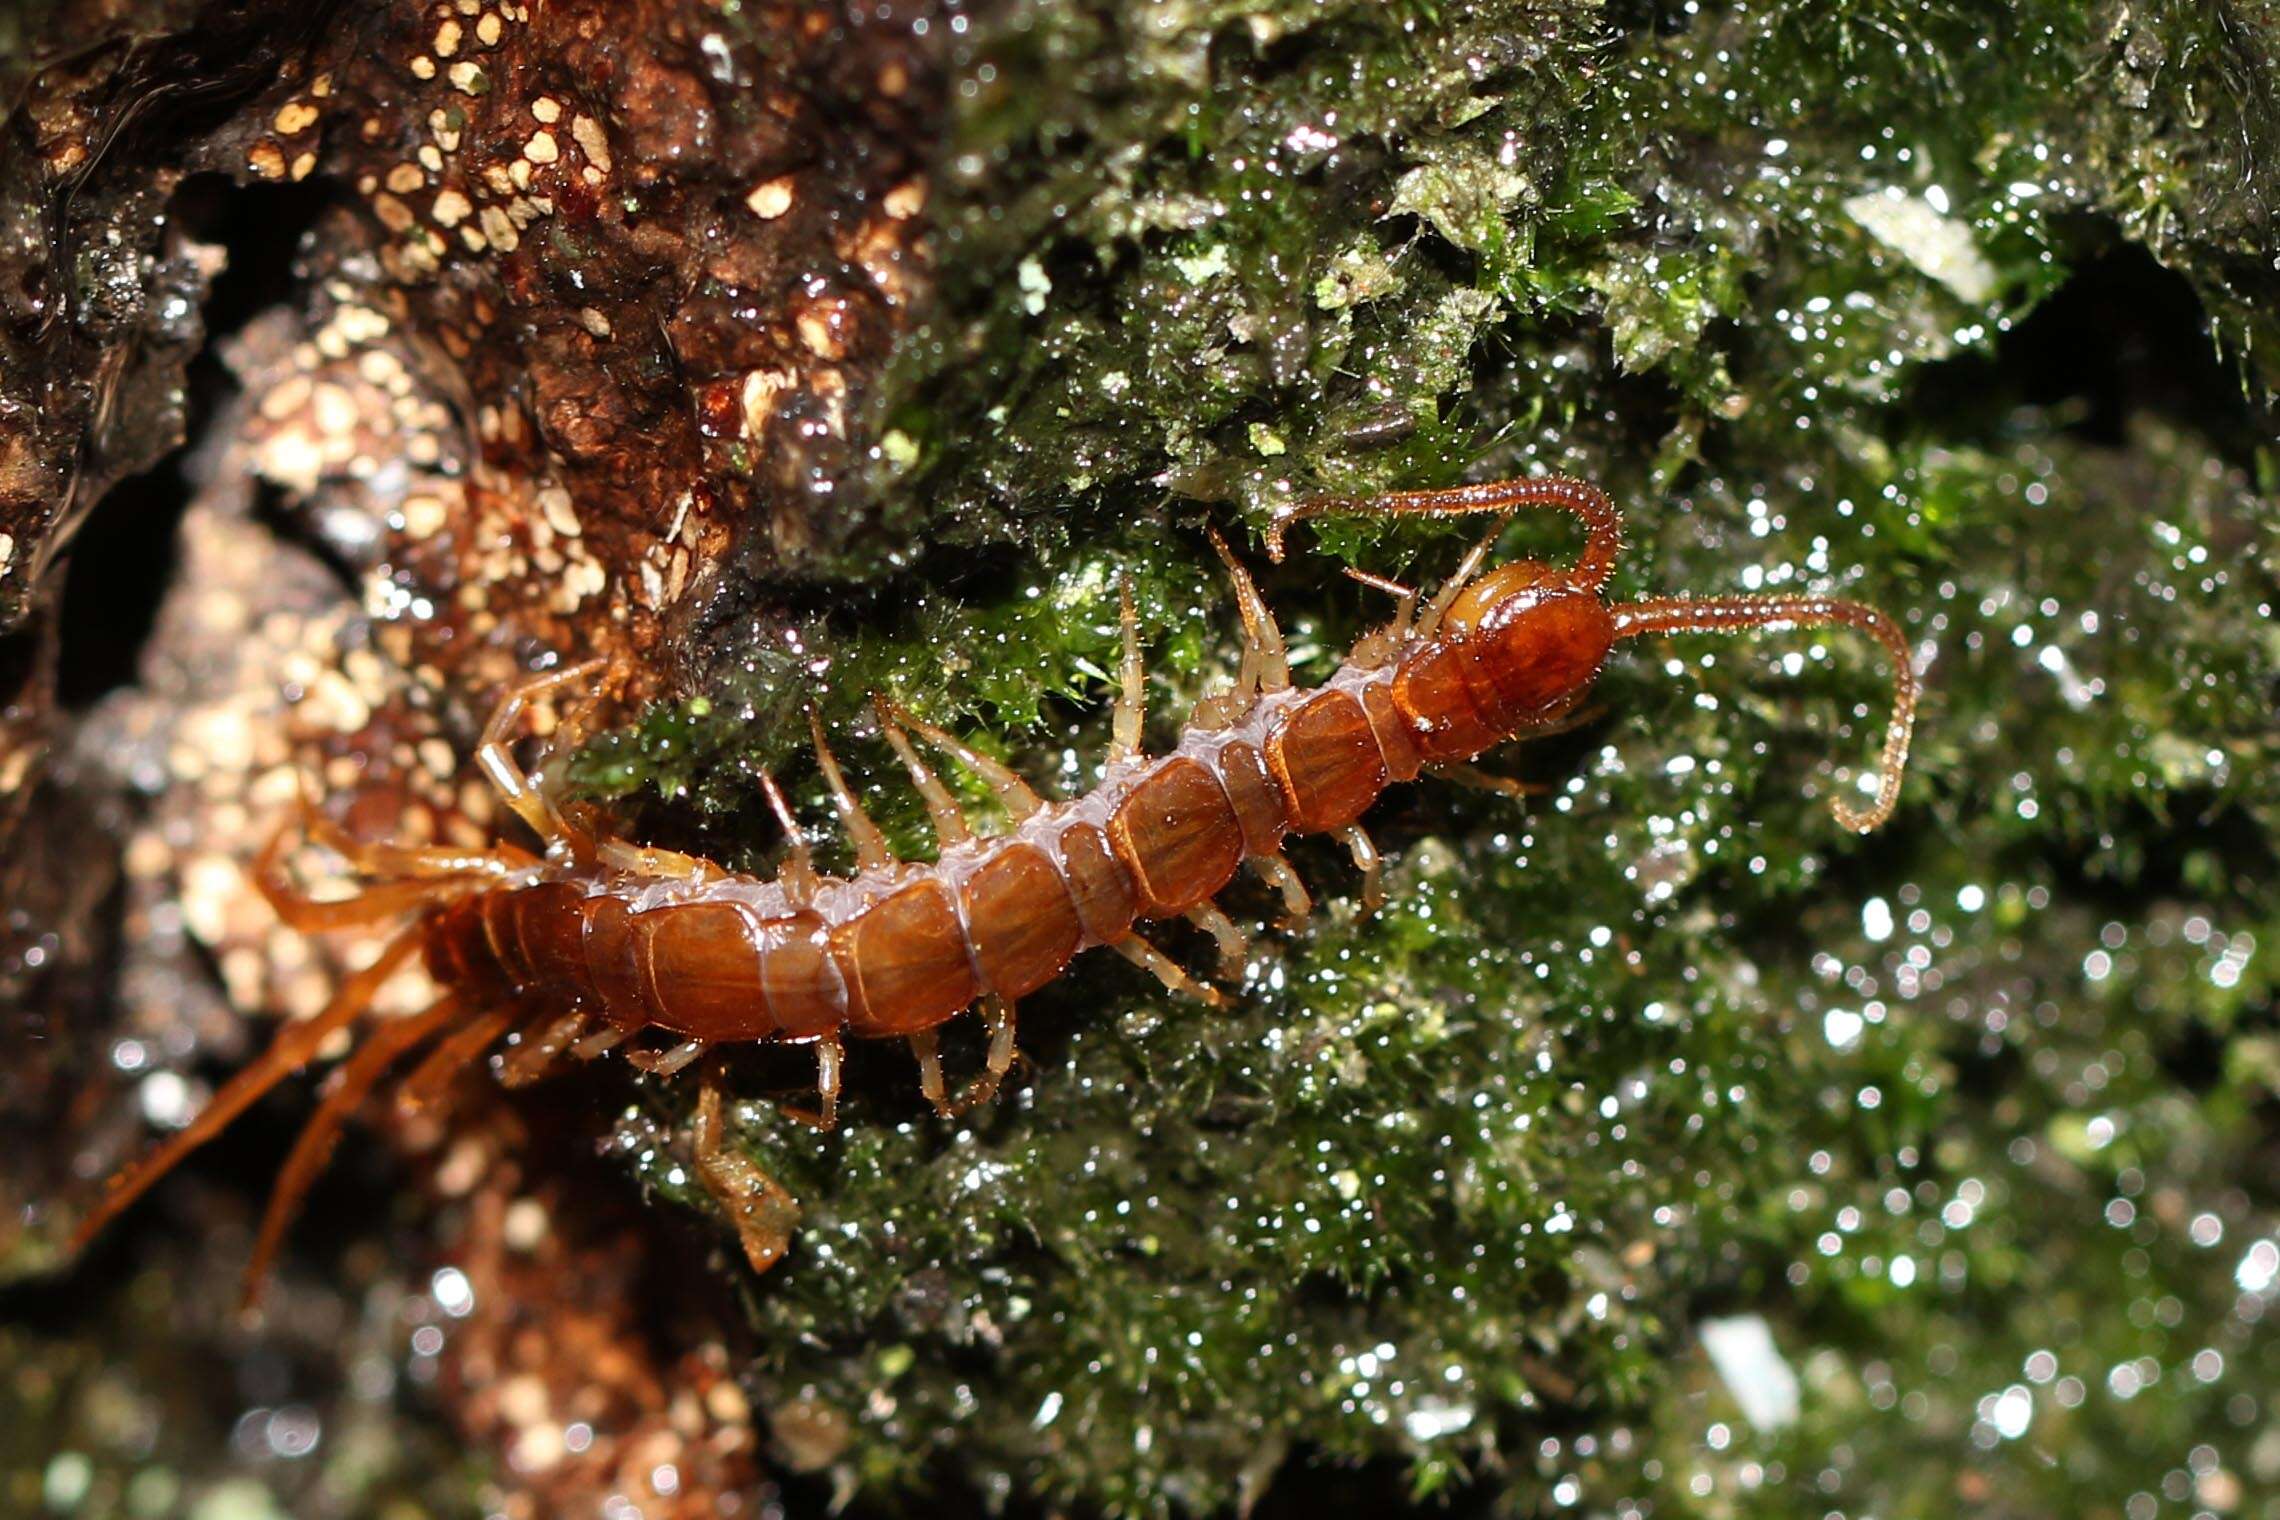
{"x":1532,"y":637}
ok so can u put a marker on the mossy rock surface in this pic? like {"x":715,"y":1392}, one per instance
{"x":1963,"y":310}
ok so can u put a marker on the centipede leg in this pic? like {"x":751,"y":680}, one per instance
{"x":1266,"y":662}
{"x":602,"y":1041}
{"x":355,"y":1078}
{"x":871,"y":852}
{"x":1487,"y":781}
{"x":1132,"y":682}
{"x":542,"y":1044}
{"x":1298,"y":903}
{"x":289,"y":1052}
{"x":651,"y":861}
{"x":1166,"y":970}
{"x":1234,"y":944}
{"x":1371,"y":863}
{"x":763,"y":1212}
{"x":997,"y":1018}
{"x":798,"y":877}
{"x":666,"y":1063}
{"x":494,"y":756}
{"x":950,"y":826}
{"x":1013,"y":794}
{"x":429,"y":1079}
{"x":1381,"y":647}
{"x":829,"y":1054}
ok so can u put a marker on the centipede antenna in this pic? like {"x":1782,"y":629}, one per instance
{"x":354,"y":1079}
{"x":1013,"y":793}
{"x":1454,"y":586}
{"x":1603,"y":524}
{"x":799,"y":869}
{"x":289,"y":1052}
{"x":1727,"y":614}
{"x":950,"y":826}
{"x":1266,"y":662}
{"x":871,"y":852}
{"x":1132,"y":690}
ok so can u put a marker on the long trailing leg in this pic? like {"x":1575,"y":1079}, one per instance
{"x":762,"y":1210}
{"x":871,"y":852}
{"x":1725,"y":614}
{"x":494,"y":753}
{"x":292,"y":1049}
{"x":351,"y":1082}
{"x":997,"y":1018}
{"x":428,"y":1080}
{"x":1166,"y":970}
{"x":1603,"y":524}
{"x":377,"y":904}
{"x":541,"y":1045}
{"x":392,"y":861}
{"x":1013,"y":794}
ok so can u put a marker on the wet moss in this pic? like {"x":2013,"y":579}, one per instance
{"x":1457,"y":1179}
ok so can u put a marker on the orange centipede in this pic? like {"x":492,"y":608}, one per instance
{"x":591,"y":942}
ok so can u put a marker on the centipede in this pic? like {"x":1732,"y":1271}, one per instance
{"x":588,"y":944}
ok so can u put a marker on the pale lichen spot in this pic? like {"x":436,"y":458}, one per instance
{"x":594,"y":321}
{"x":295,"y":116}
{"x":447,"y":38}
{"x":451,"y":208}
{"x":405,"y":178}
{"x":761,"y":387}
{"x":541,"y":148}
{"x":905,"y":200}
{"x":589,"y":135}
{"x":772,"y":198}
{"x":423,"y":67}
{"x":469,"y":79}
{"x":546,"y":109}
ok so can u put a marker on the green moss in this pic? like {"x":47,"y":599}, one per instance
{"x":1664,"y":1043}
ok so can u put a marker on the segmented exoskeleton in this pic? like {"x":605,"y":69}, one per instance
{"x":593,"y":941}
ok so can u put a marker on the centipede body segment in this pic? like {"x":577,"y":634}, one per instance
{"x":595,"y":942}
